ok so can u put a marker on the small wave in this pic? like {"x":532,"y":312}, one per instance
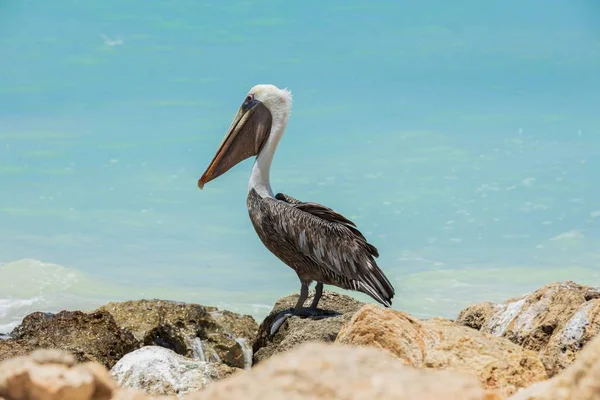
{"x":13,"y":310}
{"x":29,"y":285}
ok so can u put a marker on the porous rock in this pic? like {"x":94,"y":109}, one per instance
{"x":53,"y":374}
{"x":88,"y":336}
{"x":190,"y":330}
{"x":438,"y":343}
{"x":318,"y":370}
{"x":572,"y":336}
{"x":296,"y":330}
{"x":555,"y":320}
{"x":580,"y":380}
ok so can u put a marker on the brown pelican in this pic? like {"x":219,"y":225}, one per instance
{"x":318,"y":243}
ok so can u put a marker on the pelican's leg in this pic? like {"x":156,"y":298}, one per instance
{"x":318,"y":294}
{"x":303,"y":296}
{"x":297,"y":310}
{"x":300,"y":310}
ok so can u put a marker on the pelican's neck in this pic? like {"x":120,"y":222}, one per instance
{"x":259,"y":180}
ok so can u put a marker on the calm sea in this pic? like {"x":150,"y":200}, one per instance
{"x":462,"y":137}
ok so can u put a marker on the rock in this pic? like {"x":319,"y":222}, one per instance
{"x":53,"y":374}
{"x":540,"y":321}
{"x":315,"y":371}
{"x":89,"y":337}
{"x":191,"y":330}
{"x":31,"y":321}
{"x":160,"y":371}
{"x":477,"y":315}
{"x":499,"y":364}
{"x":296,"y":330}
{"x":579,"y":381}
{"x":10,"y":348}
{"x":578,"y":330}
{"x":401,"y":334}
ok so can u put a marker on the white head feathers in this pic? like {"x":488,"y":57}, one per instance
{"x":278,"y":101}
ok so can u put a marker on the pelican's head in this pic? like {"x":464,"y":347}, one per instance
{"x":265,"y":107}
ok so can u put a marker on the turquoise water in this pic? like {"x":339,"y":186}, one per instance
{"x":462,"y":137}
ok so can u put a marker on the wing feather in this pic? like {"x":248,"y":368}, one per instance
{"x":332,"y":243}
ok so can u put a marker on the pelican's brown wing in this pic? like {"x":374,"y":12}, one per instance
{"x":311,"y":235}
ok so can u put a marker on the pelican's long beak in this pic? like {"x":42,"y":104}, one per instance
{"x":246,"y":136}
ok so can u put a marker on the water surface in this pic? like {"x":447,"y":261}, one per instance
{"x":461,"y":137}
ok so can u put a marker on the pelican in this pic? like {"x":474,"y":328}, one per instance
{"x":319,"y":244}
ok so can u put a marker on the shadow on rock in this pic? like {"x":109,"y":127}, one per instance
{"x":191,"y":330}
{"x":296,"y":330}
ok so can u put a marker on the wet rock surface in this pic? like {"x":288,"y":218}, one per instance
{"x":88,"y":337}
{"x":160,"y":371}
{"x":191,"y":330}
{"x":297,"y":330}
{"x":500,"y":365}
{"x":555,"y":320}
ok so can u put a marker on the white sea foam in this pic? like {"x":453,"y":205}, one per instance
{"x":30,"y":285}
{"x":12,"y":311}
{"x":198,"y":349}
{"x":247,"y":350}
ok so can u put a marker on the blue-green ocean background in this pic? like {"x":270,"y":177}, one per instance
{"x":462,"y":137}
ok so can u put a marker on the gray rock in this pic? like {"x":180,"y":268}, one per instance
{"x":297,"y":330}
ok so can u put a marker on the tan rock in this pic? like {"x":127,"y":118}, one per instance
{"x":13,"y":348}
{"x":499,"y":364}
{"x":60,"y":382}
{"x":188,"y":329}
{"x":542,"y":321}
{"x":476,"y":316}
{"x":104,"y":385}
{"x":317,"y":371}
{"x":401,"y":334}
{"x":579,"y":381}
{"x":48,"y":375}
{"x":134,"y":394}
{"x":298,"y":330}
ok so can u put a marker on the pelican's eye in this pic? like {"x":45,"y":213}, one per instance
{"x":249,"y":102}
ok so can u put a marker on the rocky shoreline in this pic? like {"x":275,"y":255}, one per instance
{"x":542,"y":345}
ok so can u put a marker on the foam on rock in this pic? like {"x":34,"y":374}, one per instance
{"x":160,"y":371}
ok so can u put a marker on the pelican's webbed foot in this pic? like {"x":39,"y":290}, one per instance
{"x":312,"y":313}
